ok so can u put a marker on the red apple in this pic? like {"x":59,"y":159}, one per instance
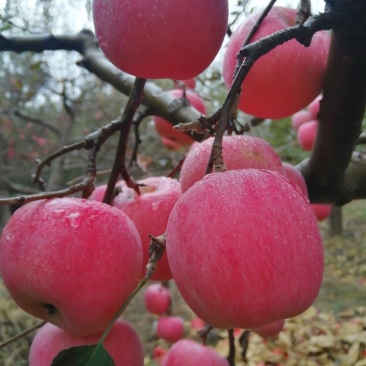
{"x":314,"y":107}
{"x":170,"y":328}
{"x":300,"y":118}
{"x":187,"y":352}
{"x":165,"y":39}
{"x":157,"y":299}
{"x":239,"y":152}
{"x":98,"y":193}
{"x":271,"y":329}
{"x":149,"y":211}
{"x":122,"y":343}
{"x":197,"y":323}
{"x":245,"y":249}
{"x":71,"y":262}
{"x":295,"y":177}
{"x":165,"y":129}
{"x":322,"y":211}
{"x":306,"y":135}
{"x":159,"y":354}
{"x":286,"y":79}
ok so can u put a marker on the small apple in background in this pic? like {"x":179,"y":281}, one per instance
{"x":71,"y":262}
{"x":247,"y":229}
{"x":239,"y":152}
{"x":295,"y":177}
{"x":314,"y":107}
{"x":170,"y":328}
{"x":286,"y":79}
{"x":122,"y":343}
{"x":157,"y":299}
{"x":189,"y":83}
{"x":159,"y":354}
{"x":306,"y":135}
{"x":98,"y":193}
{"x":170,"y":144}
{"x":322,"y":211}
{"x":190,"y":353}
{"x":164,"y":40}
{"x":165,"y":129}
{"x":150,"y":211}
{"x":300,"y":118}
{"x":271,"y":329}
{"x":197,"y":323}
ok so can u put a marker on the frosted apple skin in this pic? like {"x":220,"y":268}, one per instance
{"x":165,"y":129}
{"x":81,"y":256}
{"x":187,"y":352}
{"x":245,"y":249}
{"x":286,"y":79}
{"x":150,"y":211}
{"x":157,"y":299}
{"x":239,"y":152}
{"x":170,"y":328}
{"x":122,"y":343}
{"x":306,"y":135}
{"x":164,"y":39}
{"x":270,"y":330}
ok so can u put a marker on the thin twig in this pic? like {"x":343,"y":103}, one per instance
{"x":119,"y":166}
{"x":231,"y":355}
{"x":22,"y":334}
{"x":85,"y":185}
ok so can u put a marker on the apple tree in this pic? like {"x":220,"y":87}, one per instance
{"x":237,"y":217}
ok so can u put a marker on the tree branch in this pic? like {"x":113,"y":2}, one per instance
{"x":84,"y":42}
{"x":329,"y":173}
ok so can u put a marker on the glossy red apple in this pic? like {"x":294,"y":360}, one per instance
{"x":285,"y":80}
{"x":70,"y":261}
{"x":239,"y":152}
{"x":271,"y":329}
{"x":165,"y":39}
{"x":122,"y":343}
{"x":322,"y":211}
{"x":170,"y":328}
{"x":165,"y":129}
{"x":245,"y":249}
{"x":187,"y":352}
{"x":157,"y":299}
{"x":306,"y":135}
{"x":149,"y":211}
{"x":295,"y":177}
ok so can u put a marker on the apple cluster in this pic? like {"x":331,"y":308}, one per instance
{"x":305,"y":122}
{"x":243,"y":246}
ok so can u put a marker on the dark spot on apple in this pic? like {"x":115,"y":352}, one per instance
{"x":50,"y":308}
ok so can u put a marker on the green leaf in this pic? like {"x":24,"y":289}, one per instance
{"x":90,"y":355}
